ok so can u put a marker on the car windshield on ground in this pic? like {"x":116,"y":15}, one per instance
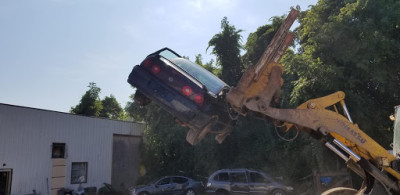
{"x":210,"y":81}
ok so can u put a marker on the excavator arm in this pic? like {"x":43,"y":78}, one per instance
{"x":363,"y":155}
{"x":259,"y":89}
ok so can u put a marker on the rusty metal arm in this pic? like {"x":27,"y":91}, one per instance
{"x":255,"y":78}
{"x":314,"y":115}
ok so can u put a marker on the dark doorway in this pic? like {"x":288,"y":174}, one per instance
{"x":5,"y":181}
{"x":125,"y":161}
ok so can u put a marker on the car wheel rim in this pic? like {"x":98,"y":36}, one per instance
{"x":278,"y":193}
{"x":190,"y":192}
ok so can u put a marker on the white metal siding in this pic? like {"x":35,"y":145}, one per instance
{"x":26,"y":137}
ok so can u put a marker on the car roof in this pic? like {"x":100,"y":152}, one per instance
{"x":238,"y":169}
{"x":174,"y":176}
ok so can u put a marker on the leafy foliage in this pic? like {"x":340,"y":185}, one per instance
{"x":259,"y":40}
{"x":226,"y":46}
{"x":91,"y":105}
{"x":351,"y":46}
{"x":111,"y":108}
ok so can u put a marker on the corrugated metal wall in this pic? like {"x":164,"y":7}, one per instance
{"x":26,"y":137}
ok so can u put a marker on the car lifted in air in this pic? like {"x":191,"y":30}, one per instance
{"x":193,"y":95}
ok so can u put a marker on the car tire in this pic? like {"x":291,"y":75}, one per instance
{"x":278,"y":192}
{"x":144,"y":193}
{"x":190,"y":192}
{"x":221,"y":192}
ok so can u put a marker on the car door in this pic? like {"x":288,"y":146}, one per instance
{"x":163,"y":186}
{"x":239,"y":185}
{"x":257,"y":183}
{"x":179,"y":184}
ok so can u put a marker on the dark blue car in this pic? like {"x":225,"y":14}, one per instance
{"x":193,"y":95}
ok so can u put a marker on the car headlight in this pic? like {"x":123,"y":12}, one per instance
{"x":132,"y":191}
{"x":208,"y":184}
{"x":289,"y":188}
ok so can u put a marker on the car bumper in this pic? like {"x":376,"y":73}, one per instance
{"x":170,"y":100}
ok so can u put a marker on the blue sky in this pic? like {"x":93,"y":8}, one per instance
{"x":51,"y":49}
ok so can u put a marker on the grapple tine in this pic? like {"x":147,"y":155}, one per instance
{"x":256,"y":78}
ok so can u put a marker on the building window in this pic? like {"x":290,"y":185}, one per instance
{"x":58,"y":150}
{"x":79,"y":172}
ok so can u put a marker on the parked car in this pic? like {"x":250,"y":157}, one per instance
{"x":193,"y":95}
{"x":170,"y":185}
{"x":244,"y":181}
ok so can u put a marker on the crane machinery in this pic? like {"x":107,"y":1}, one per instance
{"x":259,"y":89}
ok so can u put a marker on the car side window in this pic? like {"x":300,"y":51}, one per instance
{"x":222,"y":177}
{"x":164,"y":181}
{"x":239,"y":177}
{"x":179,"y":180}
{"x":256,"y":177}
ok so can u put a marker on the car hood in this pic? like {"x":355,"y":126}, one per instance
{"x":142,"y":187}
{"x":281,"y":186}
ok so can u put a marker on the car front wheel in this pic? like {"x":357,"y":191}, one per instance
{"x":278,"y":192}
{"x":190,"y":192}
{"x":222,"y":192}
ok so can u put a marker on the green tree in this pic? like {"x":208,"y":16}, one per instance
{"x":226,"y":46}
{"x":111,"y":108}
{"x":165,"y":150}
{"x":258,"y":41}
{"x":351,"y":46}
{"x":90,"y":104}
{"x":137,"y":112}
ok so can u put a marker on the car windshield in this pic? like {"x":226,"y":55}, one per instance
{"x":268,"y":178}
{"x":155,"y":181}
{"x":210,"y":81}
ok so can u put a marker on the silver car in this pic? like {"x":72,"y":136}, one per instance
{"x":170,"y":185}
{"x":244,"y":181}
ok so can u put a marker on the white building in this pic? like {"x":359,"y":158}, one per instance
{"x":45,"y":150}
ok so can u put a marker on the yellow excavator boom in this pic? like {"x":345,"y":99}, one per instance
{"x":259,"y":89}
